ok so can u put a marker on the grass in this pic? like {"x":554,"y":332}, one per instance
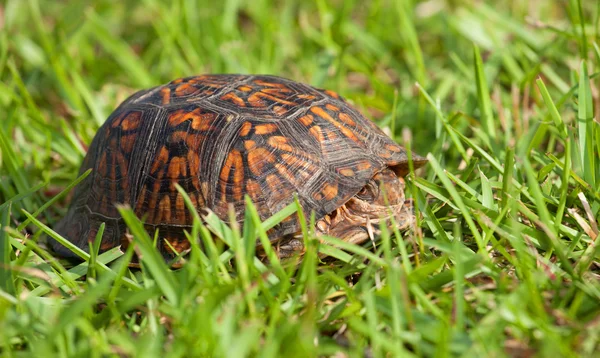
{"x":501,"y":98}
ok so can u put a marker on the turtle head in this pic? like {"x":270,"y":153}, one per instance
{"x":376,"y":203}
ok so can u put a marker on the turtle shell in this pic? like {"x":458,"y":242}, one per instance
{"x":221,"y":137}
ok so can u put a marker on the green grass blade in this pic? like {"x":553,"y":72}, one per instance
{"x":6,"y":278}
{"x":483,"y":94}
{"x":458,"y":201}
{"x":585,"y":119}
{"x":149,"y":256}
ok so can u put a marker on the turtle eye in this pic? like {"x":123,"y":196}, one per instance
{"x":369,"y":192}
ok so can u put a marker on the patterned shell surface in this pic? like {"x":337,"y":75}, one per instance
{"x":221,"y":137}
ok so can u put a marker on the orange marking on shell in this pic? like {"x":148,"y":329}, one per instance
{"x":179,"y":209}
{"x":249,"y":144}
{"x":202,"y":122}
{"x":194,"y":140}
{"x":233,"y":98}
{"x":224,"y":175}
{"x":122,"y":162}
{"x":117,"y":121}
{"x":255,"y":100}
{"x":140,"y":202}
{"x":305,"y":168}
{"x":183,"y":167}
{"x":132,"y":121}
{"x":306,"y":96}
{"x":363,"y":165}
{"x":393,"y":148}
{"x":164,"y":210}
{"x":330,"y":190}
{"x":152,"y":208}
{"x":257,"y":159}
{"x":307,"y":119}
{"x":346,"y":119}
{"x":280,"y":111}
{"x":331,"y":107}
{"x":177,"y":81}
{"x":178,"y":117}
{"x":385,"y":154}
{"x":213,"y":81}
{"x":254,"y":190}
{"x":317,"y":133}
{"x":276,"y":99}
{"x":193,"y":200}
{"x":289,"y":219}
{"x":193,"y":161}
{"x":278,"y":92}
{"x":330,"y":135}
{"x":347,"y":172}
{"x":160,"y":160}
{"x":291,"y":159}
{"x":232,"y":163}
{"x":156,"y":188}
{"x":286,"y":173}
{"x":280,"y":142}
{"x":245,"y":88}
{"x":177,"y":167}
{"x":332,"y":94}
{"x":127,"y":143}
{"x":104,"y":244}
{"x":102,"y":165}
{"x":323,"y":114}
{"x":179,"y":244}
{"x":265,"y":128}
{"x":269,"y":84}
{"x":185,"y":89}
{"x":199,"y":201}
{"x":245,"y":129}
{"x":165,"y":95}
{"x":238,"y":176}
{"x":178,"y":136}
{"x":276,"y":187}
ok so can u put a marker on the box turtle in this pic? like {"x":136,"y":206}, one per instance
{"x":221,"y":137}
